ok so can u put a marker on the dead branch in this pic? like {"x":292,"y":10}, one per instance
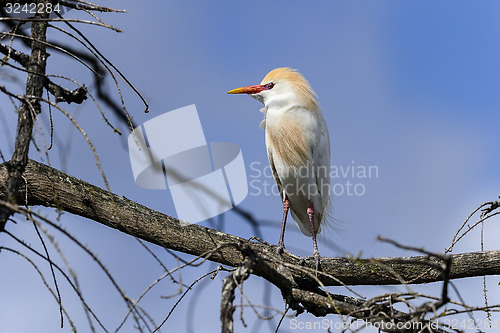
{"x":50,"y":187}
{"x":29,"y":109}
{"x":299,"y":285}
{"x":228,"y":288}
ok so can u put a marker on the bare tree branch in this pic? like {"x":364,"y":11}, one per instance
{"x":29,"y":109}
{"x":52,"y":188}
{"x":228,"y":288}
{"x":299,"y":285}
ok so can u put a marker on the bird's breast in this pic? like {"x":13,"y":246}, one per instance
{"x":288,"y":137}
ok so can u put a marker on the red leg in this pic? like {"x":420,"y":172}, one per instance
{"x":286,"y":207}
{"x":310,"y":212}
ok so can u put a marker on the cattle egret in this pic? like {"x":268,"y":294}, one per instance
{"x":298,"y":148}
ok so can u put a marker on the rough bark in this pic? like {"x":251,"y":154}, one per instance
{"x":29,"y":109}
{"x":50,"y":187}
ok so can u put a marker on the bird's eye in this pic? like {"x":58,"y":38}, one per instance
{"x":269,"y":86}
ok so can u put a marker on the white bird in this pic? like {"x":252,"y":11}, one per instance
{"x":298,"y":148}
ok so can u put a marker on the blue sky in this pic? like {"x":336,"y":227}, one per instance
{"x":410,"y":87}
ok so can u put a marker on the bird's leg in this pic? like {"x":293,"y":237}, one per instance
{"x":310,"y":212}
{"x":286,"y":207}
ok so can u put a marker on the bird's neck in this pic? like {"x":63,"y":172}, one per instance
{"x":288,"y":101}
{"x":282,"y":102}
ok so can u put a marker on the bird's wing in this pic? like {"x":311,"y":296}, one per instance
{"x":321,"y":158}
{"x":275,"y":173}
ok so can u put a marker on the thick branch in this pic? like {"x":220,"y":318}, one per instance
{"x":52,"y":188}
{"x":29,"y":108}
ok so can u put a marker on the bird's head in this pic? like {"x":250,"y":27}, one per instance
{"x":282,"y":87}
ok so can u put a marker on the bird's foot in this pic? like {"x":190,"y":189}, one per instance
{"x":316,"y":257}
{"x":280,"y":248}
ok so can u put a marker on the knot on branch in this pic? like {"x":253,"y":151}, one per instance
{"x":65,"y":95}
{"x":493,"y":205}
